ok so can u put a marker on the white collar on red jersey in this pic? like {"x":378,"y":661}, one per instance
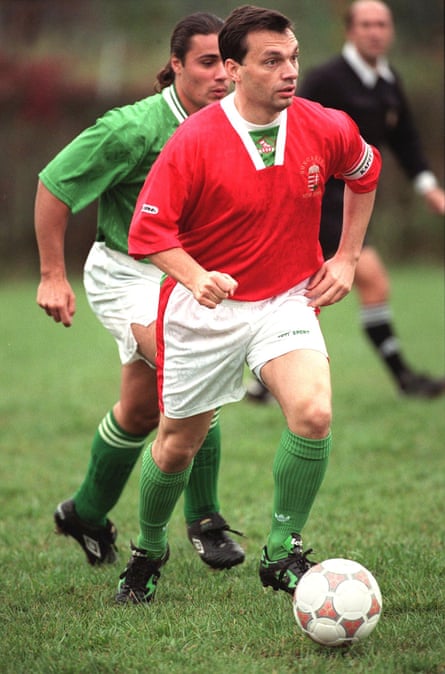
{"x":241,"y":126}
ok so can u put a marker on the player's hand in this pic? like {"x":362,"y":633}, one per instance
{"x":435,"y":200}
{"x":212,"y":287}
{"x":330,"y":283}
{"x":57,"y":299}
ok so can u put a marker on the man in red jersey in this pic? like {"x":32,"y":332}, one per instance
{"x":235,"y":196}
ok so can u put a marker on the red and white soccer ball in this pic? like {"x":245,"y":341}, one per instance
{"x":337,"y":602}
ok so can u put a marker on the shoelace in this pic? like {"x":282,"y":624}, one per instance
{"x":297,"y":560}
{"x":304,"y":561}
{"x":217,"y":534}
{"x":233,"y":531}
{"x":139,"y":572}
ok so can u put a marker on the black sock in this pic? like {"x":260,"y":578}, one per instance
{"x":376,"y":321}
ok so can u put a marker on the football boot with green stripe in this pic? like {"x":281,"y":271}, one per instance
{"x":137,"y":584}
{"x":284,"y":574}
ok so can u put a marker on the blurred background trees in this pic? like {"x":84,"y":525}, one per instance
{"x":64,"y":63}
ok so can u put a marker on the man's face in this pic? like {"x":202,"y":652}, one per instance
{"x":372,"y":30}
{"x":201,"y":79}
{"x":266,"y":80}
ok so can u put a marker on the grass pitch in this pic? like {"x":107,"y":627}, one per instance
{"x":382,"y":503}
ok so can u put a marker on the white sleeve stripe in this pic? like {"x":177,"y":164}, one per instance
{"x":363,"y":165}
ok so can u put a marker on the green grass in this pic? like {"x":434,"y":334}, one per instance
{"x":382,"y":503}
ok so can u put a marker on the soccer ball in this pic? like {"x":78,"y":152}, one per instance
{"x":337,"y":602}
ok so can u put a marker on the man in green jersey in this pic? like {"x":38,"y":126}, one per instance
{"x":109,"y":161}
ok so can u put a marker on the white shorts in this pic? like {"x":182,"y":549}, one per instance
{"x":121,"y":291}
{"x":202,"y":352}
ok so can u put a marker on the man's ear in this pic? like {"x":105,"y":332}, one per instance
{"x":176,"y":64}
{"x":232,"y":69}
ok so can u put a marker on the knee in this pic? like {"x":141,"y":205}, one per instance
{"x":146,"y":422}
{"x":172,"y":456}
{"x":371,"y":279}
{"x":137,"y":419}
{"x":178,"y":441}
{"x":375,"y":290}
{"x":313,"y":418}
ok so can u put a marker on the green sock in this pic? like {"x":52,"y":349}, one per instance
{"x":158,"y":495}
{"x":113,"y":455}
{"x":298,"y":470}
{"x":201,"y":493}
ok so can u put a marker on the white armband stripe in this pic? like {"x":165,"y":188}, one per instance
{"x":363,"y":165}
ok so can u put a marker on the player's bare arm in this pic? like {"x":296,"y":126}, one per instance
{"x":435,"y":200}
{"x":209,"y":288}
{"x":54,"y":293}
{"x":334,"y":279}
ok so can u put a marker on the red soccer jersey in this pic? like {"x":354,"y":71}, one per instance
{"x":210,"y":193}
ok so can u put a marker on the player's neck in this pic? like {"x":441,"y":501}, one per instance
{"x":254,"y":114}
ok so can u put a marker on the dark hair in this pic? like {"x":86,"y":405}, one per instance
{"x":244,"y":20}
{"x":199,"y":23}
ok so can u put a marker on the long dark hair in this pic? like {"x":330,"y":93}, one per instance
{"x":199,"y":23}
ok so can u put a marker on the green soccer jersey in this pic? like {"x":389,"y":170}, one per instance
{"x":109,"y":161}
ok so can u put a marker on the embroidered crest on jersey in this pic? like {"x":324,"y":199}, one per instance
{"x":311,"y":169}
{"x":313,"y":177}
